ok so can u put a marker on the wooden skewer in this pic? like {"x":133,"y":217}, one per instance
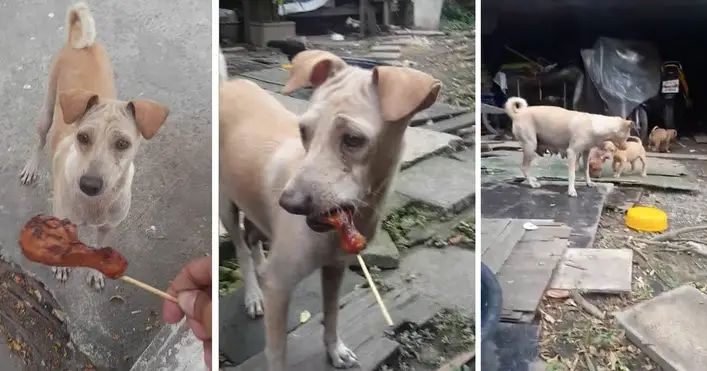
{"x":375,"y":290}
{"x":149,"y":288}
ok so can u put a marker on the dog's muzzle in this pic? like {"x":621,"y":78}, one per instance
{"x":91,"y":185}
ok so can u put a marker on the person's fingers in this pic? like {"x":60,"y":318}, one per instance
{"x":207,"y":354}
{"x":196,"y":304}
{"x":195,"y":275}
{"x":171,"y":313}
{"x":198,"y":329}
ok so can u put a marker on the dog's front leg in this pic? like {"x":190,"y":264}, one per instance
{"x":571,"y":163}
{"x":277,"y":288}
{"x":95,"y":278}
{"x":339,"y":354}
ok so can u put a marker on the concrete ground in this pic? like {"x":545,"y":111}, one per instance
{"x":160,"y":51}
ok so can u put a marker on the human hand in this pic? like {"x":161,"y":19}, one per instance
{"x":192,"y":288}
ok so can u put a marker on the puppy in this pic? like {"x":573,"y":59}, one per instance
{"x":94,"y":137}
{"x":656,"y":138}
{"x":672,"y":137}
{"x":597,"y":157}
{"x":561,"y":130}
{"x":621,"y":157}
{"x":286,"y":172}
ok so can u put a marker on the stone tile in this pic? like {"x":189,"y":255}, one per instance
{"x":385,"y":48}
{"x":447,"y":275}
{"x":670,"y":328}
{"x":605,"y":271}
{"x":421,"y":143}
{"x":381,"y":252}
{"x":384,"y":56}
{"x":439,"y":181}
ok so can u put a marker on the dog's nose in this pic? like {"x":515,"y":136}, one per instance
{"x":91,"y":185}
{"x":297,"y":203}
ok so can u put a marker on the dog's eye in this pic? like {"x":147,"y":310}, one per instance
{"x":353,"y":141}
{"x":122,"y":144}
{"x":83,"y":138}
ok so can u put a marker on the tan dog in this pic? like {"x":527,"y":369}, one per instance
{"x":658,"y":138}
{"x":597,"y":158}
{"x":286,"y":172}
{"x":672,"y":138}
{"x":94,"y":137}
{"x":621,"y":157}
{"x":562,"y":131}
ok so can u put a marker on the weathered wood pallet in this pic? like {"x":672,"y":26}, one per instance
{"x":523,"y":260}
{"x":361,"y":326}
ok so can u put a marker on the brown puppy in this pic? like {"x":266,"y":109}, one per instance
{"x":672,"y":137}
{"x":621,"y":157}
{"x":597,"y":157}
{"x":656,"y":138}
{"x":287,"y":171}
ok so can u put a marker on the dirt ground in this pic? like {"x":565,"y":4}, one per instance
{"x":31,"y":322}
{"x":572,"y":339}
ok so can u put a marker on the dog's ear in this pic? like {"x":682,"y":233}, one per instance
{"x":149,"y":116}
{"x":75,"y":102}
{"x":312,"y":67}
{"x":402,"y":91}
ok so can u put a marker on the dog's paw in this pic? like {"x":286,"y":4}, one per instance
{"x":61,"y":273}
{"x":534,"y":183}
{"x":572,"y":192}
{"x":254,"y":302}
{"x":29,"y":173}
{"x":591,"y":184}
{"x":95,"y":279}
{"x":341,"y":356}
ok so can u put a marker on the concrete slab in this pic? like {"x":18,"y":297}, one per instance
{"x":446,"y":275}
{"x":385,"y":48}
{"x":670,"y":328}
{"x":161,"y":50}
{"x":9,"y":361}
{"x":421,"y":143}
{"x":441,"y":182}
{"x":604,"y":271}
{"x":384,"y":56}
{"x":174,"y":349}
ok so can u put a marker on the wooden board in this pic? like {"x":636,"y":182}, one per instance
{"x":604,"y":271}
{"x":361,"y":327}
{"x":501,"y":244}
{"x":529,"y":268}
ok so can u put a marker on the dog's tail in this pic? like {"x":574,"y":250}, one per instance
{"x":634,"y":139}
{"x":80,"y":26}
{"x":514,"y":105}
{"x":654,"y":129}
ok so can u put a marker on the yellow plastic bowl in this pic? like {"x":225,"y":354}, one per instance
{"x":646,"y":219}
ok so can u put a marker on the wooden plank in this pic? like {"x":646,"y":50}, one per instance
{"x":490,"y":230}
{"x":678,"y":156}
{"x":453,"y":124}
{"x":496,"y":255}
{"x":604,"y":271}
{"x":529,"y":268}
{"x":361,"y":326}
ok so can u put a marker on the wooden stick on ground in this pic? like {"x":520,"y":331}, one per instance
{"x":375,"y":290}
{"x":149,"y":288}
